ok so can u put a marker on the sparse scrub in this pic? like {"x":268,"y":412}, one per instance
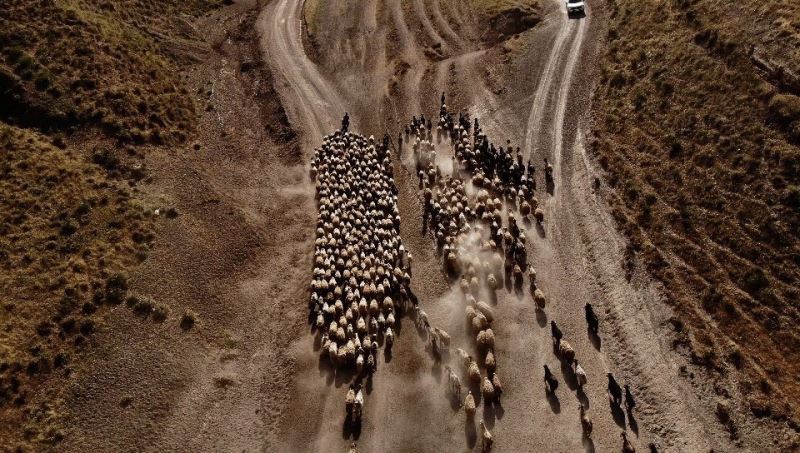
{"x":711,"y":184}
{"x":188,"y":320}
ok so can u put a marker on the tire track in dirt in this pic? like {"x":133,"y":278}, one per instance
{"x":544,"y":85}
{"x":315,"y":104}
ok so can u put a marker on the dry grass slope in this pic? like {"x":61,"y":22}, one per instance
{"x":83,"y":83}
{"x":697,"y":125}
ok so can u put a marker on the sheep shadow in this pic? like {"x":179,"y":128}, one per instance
{"x":526,"y":221}
{"x":436,"y":370}
{"x":387,"y":354}
{"x":499,"y":410}
{"x":552,"y":399}
{"x":617,"y":414}
{"x":550,"y":185}
{"x":351,"y":428}
{"x":583,"y":398}
{"x":588,"y":444}
{"x":317,"y":341}
{"x":540,"y":230}
{"x":518,"y":287}
{"x":541,"y":318}
{"x":569,"y":375}
{"x":594,"y":338}
{"x":368,"y":384}
{"x":489,"y":415}
{"x":343,"y":376}
{"x":454,"y":400}
{"x":632,"y":423}
{"x":470,"y":433}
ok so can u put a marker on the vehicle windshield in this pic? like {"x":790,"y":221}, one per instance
{"x":574,"y":1}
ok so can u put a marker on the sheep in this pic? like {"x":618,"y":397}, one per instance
{"x":372,"y":363}
{"x":350,"y":400}
{"x":586,"y":422}
{"x":421,"y":319}
{"x":473,"y":372}
{"x":353,"y":448}
{"x":485,"y":310}
{"x":517,"y":274}
{"x":580,"y":374}
{"x":556,"y":333}
{"x":539,"y":215}
{"x":627,"y":446}
{"x":591,"y":319}
{"x":490,"y":362}
{"x":479,"y":322}
{"x":565,"y":352}
{"x":360,"y":363}
{"x":485,"y":339}
{"x":469,"y":405}
{"x":471,"y":313}
{"x":443,"y":336}
{"x":453,"y":383}
{"x":614,"y":390}
{"x":498,"y":387}
{"x":491,"y":282}
{"x":465,"y":358}
{"x":486,"y":438}
{"x":333,"y":352}
{"x":525,"y":209}
{"x":538,"y":297}
{"x":320,"y":321}
{"x":532,"y":276}
{"x":487,"y":389}
{"x":389,"y":335}
{"x":373,"y":308}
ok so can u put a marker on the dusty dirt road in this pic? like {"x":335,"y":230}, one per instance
{"x":577,"y":255}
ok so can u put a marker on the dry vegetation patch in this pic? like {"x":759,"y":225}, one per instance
{"x":699,"y":142}
{"x":83,"y":83}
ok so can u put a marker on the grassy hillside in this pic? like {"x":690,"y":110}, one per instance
{"x":697,"y":122}
{"x":83,"y":85}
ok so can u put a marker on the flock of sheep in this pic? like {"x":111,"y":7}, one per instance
{"x":361,"y":269}
{"x":465,"y":195}
{"x":478,"y":201}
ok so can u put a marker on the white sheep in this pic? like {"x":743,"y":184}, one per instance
{"x":538,"y":297}
{"x":486,"y":438}
{"x":490,"y":362}
{"x":474,"y":372}
{"x":469,"y":405}
{"x":485,"y":339}
{"x":487,"y":389}
{"x":485,"y":310}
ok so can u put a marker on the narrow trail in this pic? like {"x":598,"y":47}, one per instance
{"x":543,"y":88}
{"x":315,"y":105}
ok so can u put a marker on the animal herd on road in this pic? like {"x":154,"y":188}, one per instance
{"x":478,"y":204}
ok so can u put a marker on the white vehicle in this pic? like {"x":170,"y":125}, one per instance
{"x":575,"y":7}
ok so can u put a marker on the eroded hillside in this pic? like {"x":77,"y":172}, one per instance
{"x":697,"y":124}
{"x":83,"y":85}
